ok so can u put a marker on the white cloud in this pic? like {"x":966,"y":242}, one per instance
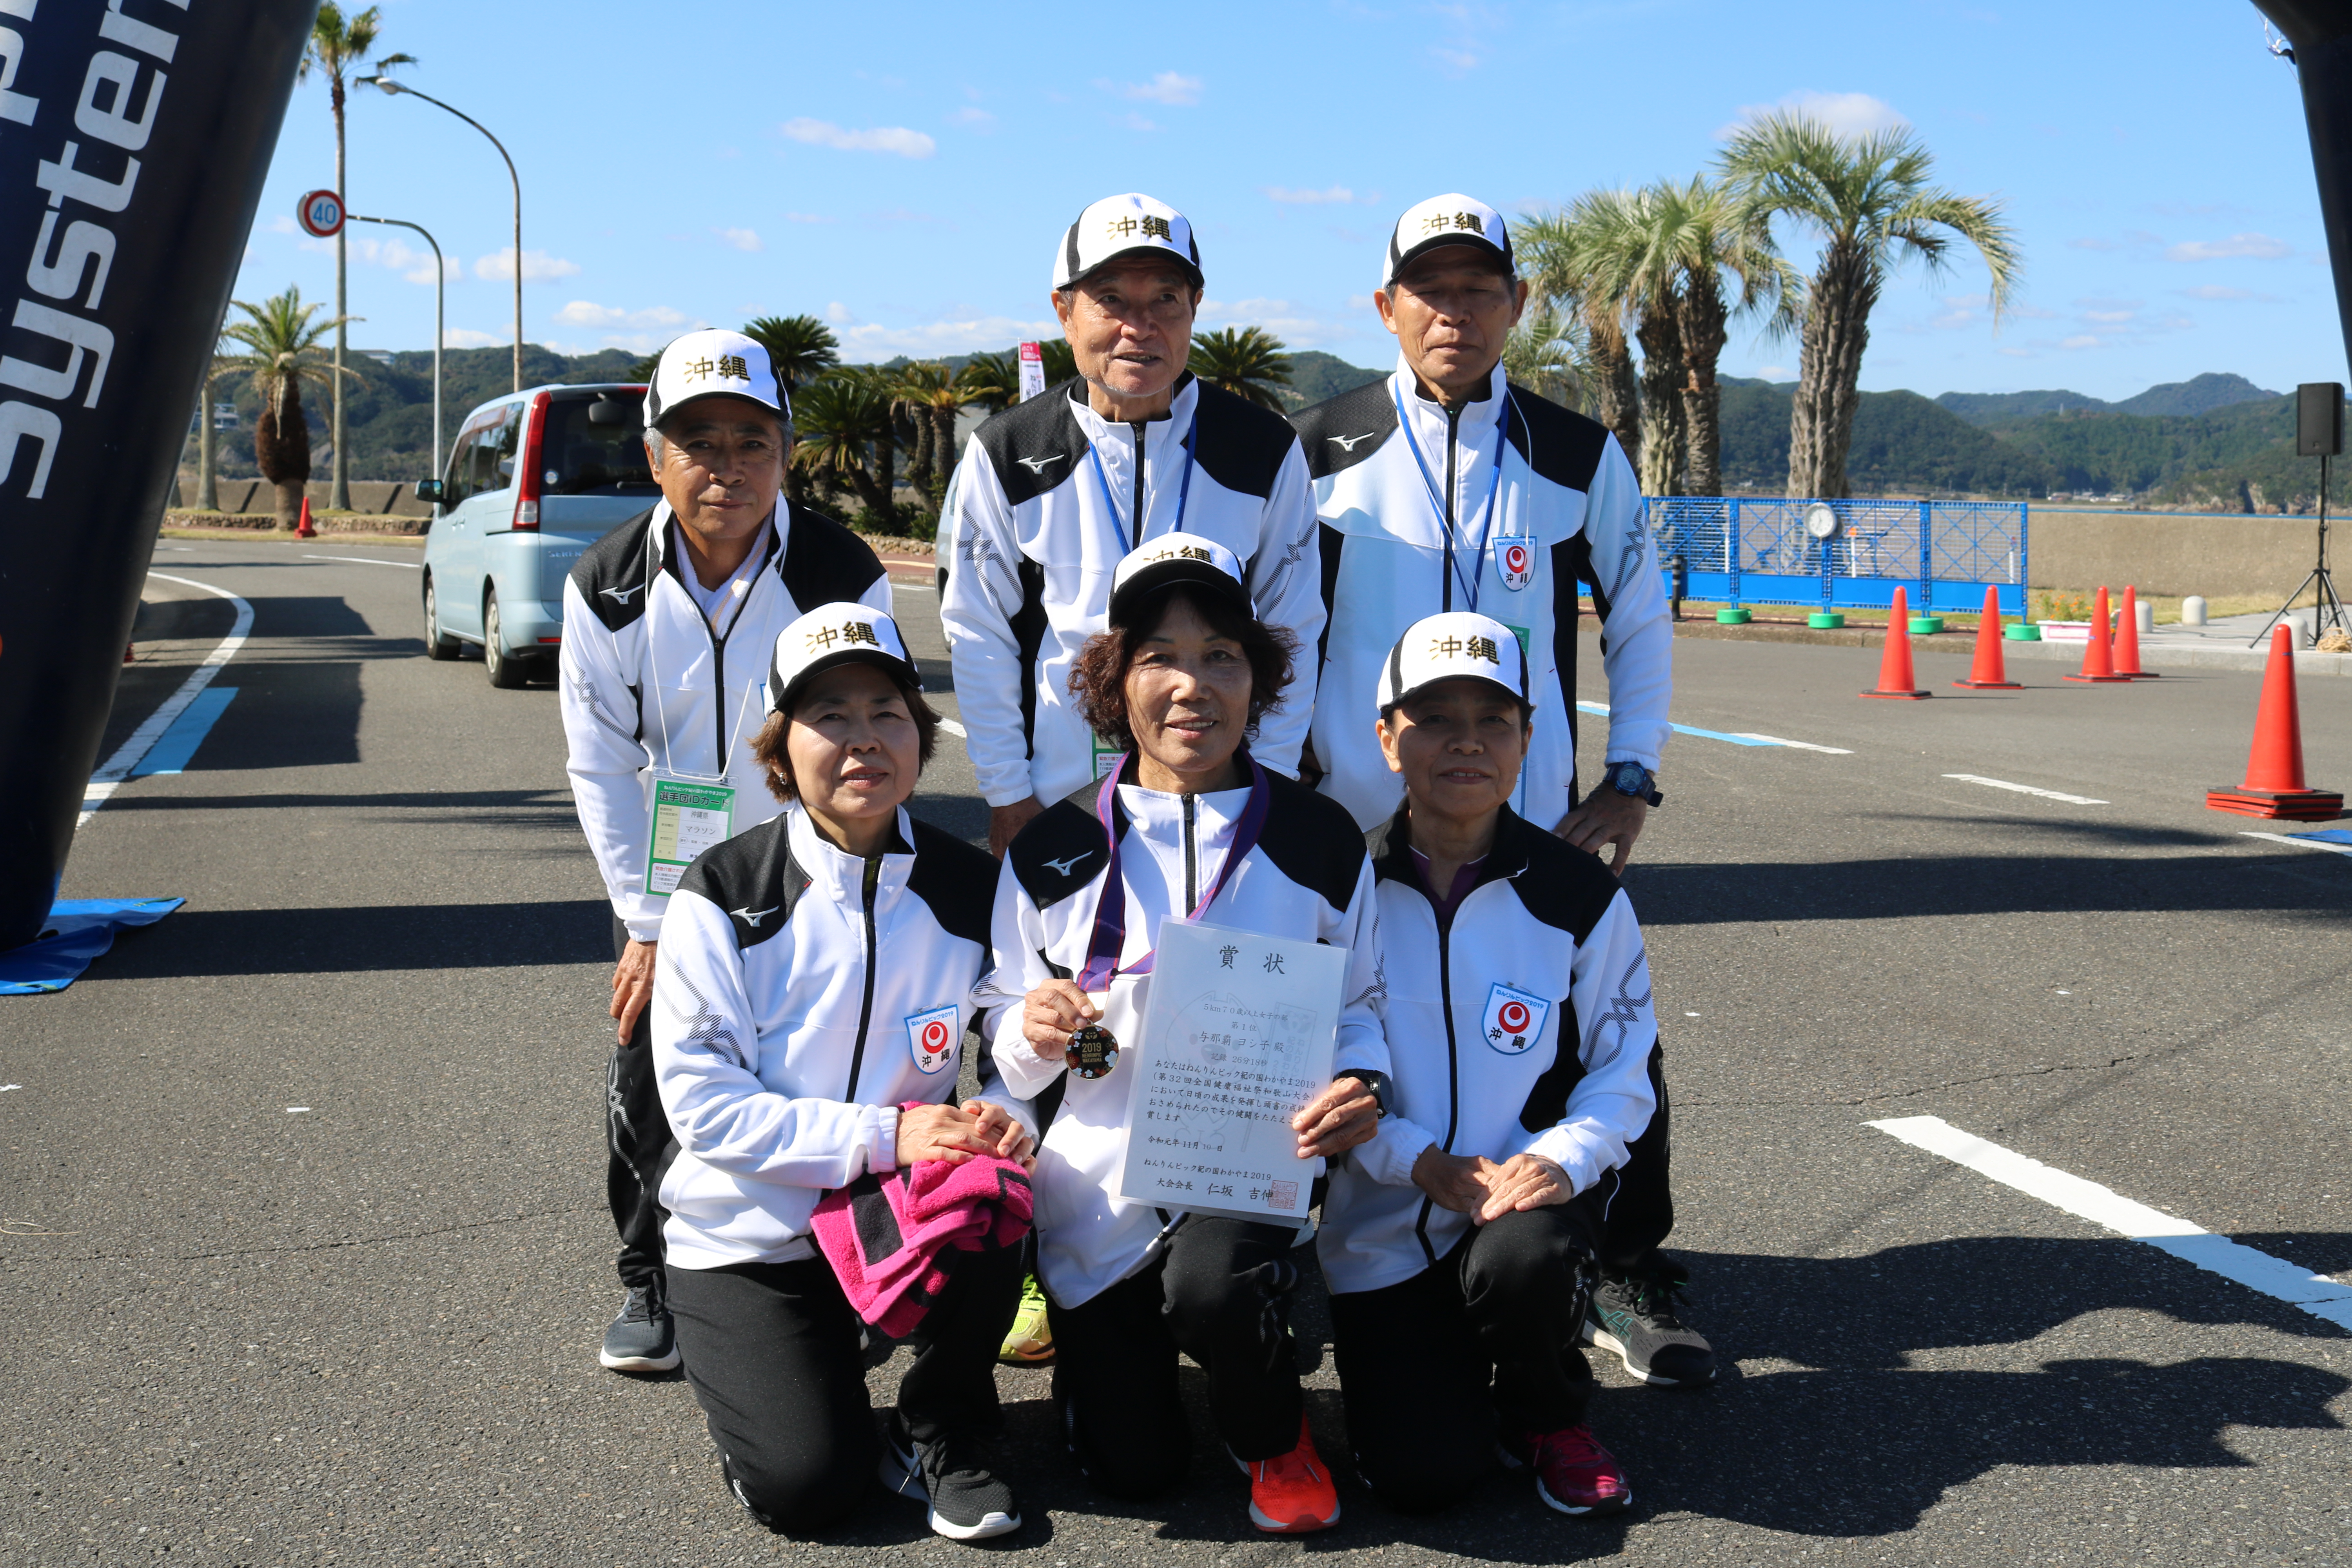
{"x":538,"y":265}
{"x":1459,"y":59}
{"x":588,"y":313}
{"x":1845,"y":113}
{"x":467,"y":338}
{"x":1169,"y":87}
{"x":2260,"y":247}
{"x":2223,"y":291}
{"x":837,"y":313}
{"x":2093,"y":245}
{"x":973,"y":118}
{"x":281,"y":224}
{"x":1139,"y":122}
{"x":874,"y":341}
{"x":739,"y":238}
{"x":809,"y":217}
{"x":2110,"y":318}
{"x":1773,"y":373}
{"x":1339,"y":194}
{"x":1297,"y":326}
{"x":894,"y":138}
{"x":2080,"y":341}
{"x":413,"y":263}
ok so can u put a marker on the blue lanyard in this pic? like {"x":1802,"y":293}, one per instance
{"x":1494,"y":488}
{"x":1183,"y":490}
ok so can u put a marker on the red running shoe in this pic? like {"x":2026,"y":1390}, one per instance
{"x":1573,"y":1473}
{"x":1292,"y":1493}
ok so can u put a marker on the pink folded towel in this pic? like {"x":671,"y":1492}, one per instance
{"x":893,"y":1238}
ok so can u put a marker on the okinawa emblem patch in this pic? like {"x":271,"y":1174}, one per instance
{"x":1515,"y":561}
{"x":1514,"y":1019}
{"x":932,"y":1037}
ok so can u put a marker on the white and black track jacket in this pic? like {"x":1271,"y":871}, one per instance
{"x":800,"y":995}
{"x":1565,"y":487}
{"x":1309,"y":874}
{"x":1033,"y":536}
{"x":646,"y":684}
{"x":1523,"y":1026}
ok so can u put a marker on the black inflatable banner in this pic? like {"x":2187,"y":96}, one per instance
{"x":134,"y":136}
{"x":2321,"y":33}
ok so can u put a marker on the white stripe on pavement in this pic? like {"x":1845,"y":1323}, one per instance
{"x":369,"y":561}
{"x":1800,"y":745}
{"x":1734,"y":737}
{"x":952,"y":728}
{"x":2274,"y":1277}
{"x":2028,"y":789}
{"x":128,"y":755}
{"x":2298,"y":843}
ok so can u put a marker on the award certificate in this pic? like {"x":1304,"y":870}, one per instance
{"x":1237,"y":1036}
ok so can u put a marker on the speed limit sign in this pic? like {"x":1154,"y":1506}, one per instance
{"x":322,"y":213}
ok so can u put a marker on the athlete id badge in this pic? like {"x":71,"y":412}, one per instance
{"x":1515,"y":561}
{"x":932,"y":1036}
{"x":1514,"y":1019}
{"x":688,"y":817}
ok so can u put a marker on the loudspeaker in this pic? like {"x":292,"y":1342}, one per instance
{"x":2319,"y":419}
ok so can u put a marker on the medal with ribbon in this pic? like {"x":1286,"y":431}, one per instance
{"x":1094,"y":1050}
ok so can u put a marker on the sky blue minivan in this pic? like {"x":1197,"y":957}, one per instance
{"x":534,"y":479}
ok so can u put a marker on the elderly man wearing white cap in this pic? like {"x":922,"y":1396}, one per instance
{"x":1443,"y":489}
{"x":669,"y":621}
{"x":1052,"y":493}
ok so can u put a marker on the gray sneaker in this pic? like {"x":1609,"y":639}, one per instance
{"x":966,"y":1502}
{"x":1635,"y":1317}
{"x":641,"y":1339}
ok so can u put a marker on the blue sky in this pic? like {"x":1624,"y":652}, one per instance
{"x":906,"y":168}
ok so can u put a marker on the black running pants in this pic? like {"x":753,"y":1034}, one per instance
{"x":1219,"y":1293}
{"x":1634,"y":1203}
{"x":1416,"y":1359}
{"x":773,"y":1351}
{"x":638,"y":1147}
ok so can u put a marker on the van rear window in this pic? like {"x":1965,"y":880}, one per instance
{"x":584,"y":458}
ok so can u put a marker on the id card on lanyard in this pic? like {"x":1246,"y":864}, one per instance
{"x":689,"y":815}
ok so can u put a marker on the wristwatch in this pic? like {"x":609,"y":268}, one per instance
{"x":1377,"y":1084}
{"x":1631,"y":778}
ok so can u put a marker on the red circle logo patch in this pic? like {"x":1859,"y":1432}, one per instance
{"x":934,"y":1036}
{"x":1514,"y":1016}
{"x":1518,"y":557}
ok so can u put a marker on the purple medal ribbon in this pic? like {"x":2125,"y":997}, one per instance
{"x":1110,"y":913}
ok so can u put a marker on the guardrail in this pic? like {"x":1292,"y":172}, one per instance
{"x":1755,"y":551}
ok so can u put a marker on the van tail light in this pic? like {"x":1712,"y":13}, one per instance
{"x":527,"y":472}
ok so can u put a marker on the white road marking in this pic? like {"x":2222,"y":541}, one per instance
{"x":369,"y":561}
{"x":2298,"y":843}
{"x":5,"y":1088}
{"x":913,"y":587}
{"x":1735,"y":737}
{"x":2274,"y":1277}
{"x":127,"y":756}
{"x":952,"y":728}
{"x":1800,"y":745}
{"x":291,"y":1109}
{"x":2028,"y":789}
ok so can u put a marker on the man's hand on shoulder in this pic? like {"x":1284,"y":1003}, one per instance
{"x":1604,"y":818}
{"x":633,"y":985}
{"x":1005,"y":821}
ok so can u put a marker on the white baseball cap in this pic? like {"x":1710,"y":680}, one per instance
{"x":1457,"y":643}
{"x":1455,"y":219}
{"x":841,"y":633}
{"x":713,"y":363}
{"x":1126,"y":224}
{"x":1174,"y":558}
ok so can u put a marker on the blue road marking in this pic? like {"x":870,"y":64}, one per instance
{"x":171,"y":754}
{"x":1685,"y":729}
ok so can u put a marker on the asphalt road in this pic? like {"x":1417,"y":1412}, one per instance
{"x":364,"y":1331}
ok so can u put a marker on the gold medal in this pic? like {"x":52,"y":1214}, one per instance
{"x":1094,"y":1051}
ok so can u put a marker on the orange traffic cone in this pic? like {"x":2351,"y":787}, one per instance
{"x":2274,"y":786}
{"x":2098,"y":656}
{"x":302,"y":529}
{"x":2128,"y":640}
{"x":1895,"y":677}
{"x":1989,"y":671}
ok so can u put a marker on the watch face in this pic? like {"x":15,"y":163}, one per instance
{"x":1628,"y":778}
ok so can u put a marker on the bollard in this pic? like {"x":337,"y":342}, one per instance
{"x":2193,"y":610}
{"x":2144,"y":617}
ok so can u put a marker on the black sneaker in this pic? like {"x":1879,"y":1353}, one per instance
{"x":1634,"y":1316}
{"x":641,"y":1339}
{"x":967,"y":1503}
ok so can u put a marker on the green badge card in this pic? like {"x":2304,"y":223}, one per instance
{"x":689,"y":818}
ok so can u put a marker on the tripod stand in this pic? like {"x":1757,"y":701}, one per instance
{"x":2328,"y":604}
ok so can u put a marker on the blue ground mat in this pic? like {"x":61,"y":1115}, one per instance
{"x":2326,"y":836}
{"x":76,"y":933}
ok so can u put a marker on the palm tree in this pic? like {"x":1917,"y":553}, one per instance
{"x":1625,"y":243}
{"x":931,"y":394}
{"x":338,"y":46}
{"x":1552,"y":258}
{"x":800,"y":348}
{"x":1545,"y":353}
{"x":1247,"y":361}
{"x":841,"y":417}
{"x":208,"y":485}
{"x":992,"y":381}
{"x":1708,"y":240}
{"x":282,"y":352}
{"x":1869,"y":202}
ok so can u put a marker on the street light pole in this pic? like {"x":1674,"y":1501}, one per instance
{"x":399,"y":89}
{"x":440,"y":291}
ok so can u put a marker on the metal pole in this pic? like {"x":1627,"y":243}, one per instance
{"x":396,"y":89}
{"x":440,"y":294}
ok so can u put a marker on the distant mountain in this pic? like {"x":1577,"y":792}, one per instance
{"x":1992,"y":407}
{"x":1903,"y":444}
{"x":1316,"y":377}
{"x":2200,"y":394}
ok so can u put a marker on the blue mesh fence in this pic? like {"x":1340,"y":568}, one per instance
{"x":1757,"y":551}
